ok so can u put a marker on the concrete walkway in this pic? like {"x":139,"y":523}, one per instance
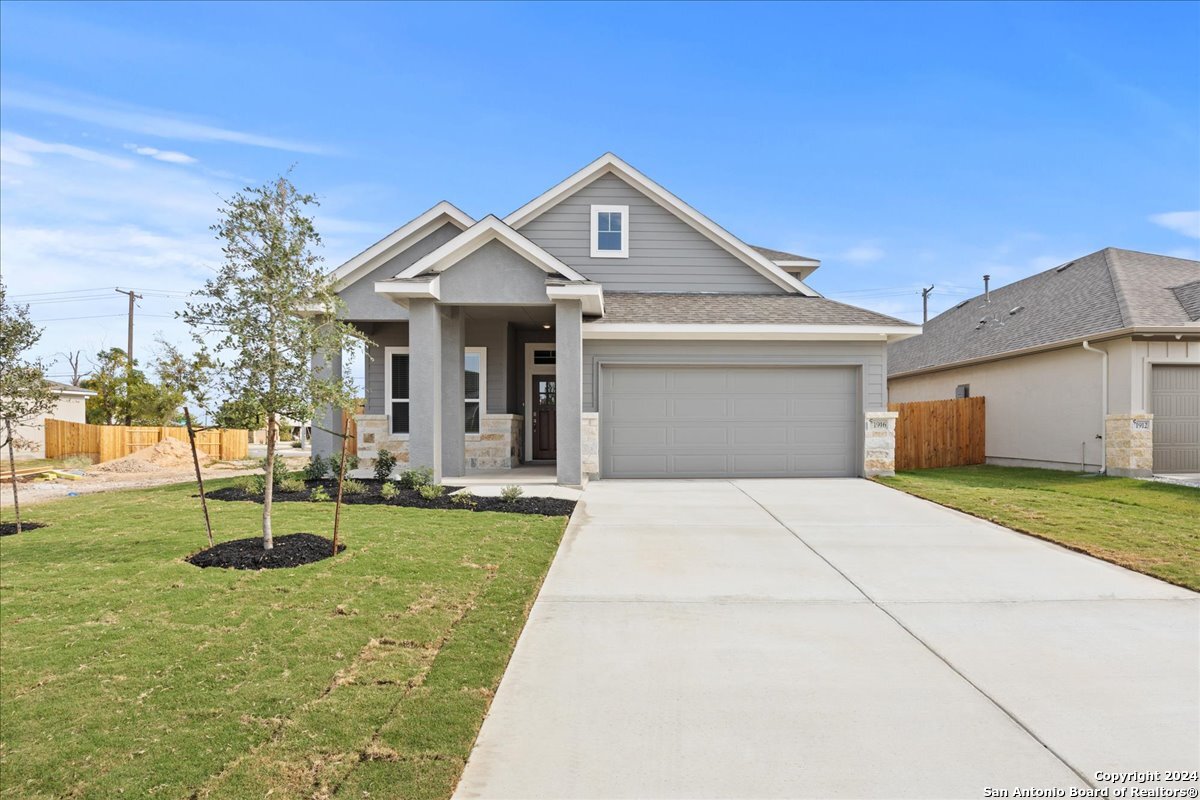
{"x":831,"y":638}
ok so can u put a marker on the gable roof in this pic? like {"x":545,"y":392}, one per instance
{"x":65,"y":388}
{"x":1107,"y":291}
{"x":611,"y":164}
{"x":488,"y":229}
{"x":395,"y":242}
{"x":781,"y":257}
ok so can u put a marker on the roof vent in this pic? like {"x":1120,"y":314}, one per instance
{"x":1065,"y":266}
{"x":960,"y":305}
{"x":1016,"y":310}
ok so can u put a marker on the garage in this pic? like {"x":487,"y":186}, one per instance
{"x":729,"y":421}
{"x":1175,"y":403}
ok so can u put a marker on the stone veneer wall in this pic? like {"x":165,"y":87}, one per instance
{"x":879,"y":443}
{"x":589,"y":445}
{"x":494,"y":447}
{"x":1129,"y":445}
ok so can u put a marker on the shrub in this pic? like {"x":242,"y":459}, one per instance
{"x":416,"y":478}
{"x":290,"y":484}
{"x":351,"y":463}
{"x":280,"y":472}
{"x":318,"y":495}
{"x":296,"y":443}
{"x":385,"y":462}
{"x":510,"y":494}
{"x":463,"y":500}
{"x":317,"y":467}
{"x":351,"y":486}
{"x":388,"y":491}
{"x":254,"y":485}
{"x":431,"y":491}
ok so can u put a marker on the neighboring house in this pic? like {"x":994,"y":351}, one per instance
{"x":69,"y":406}
{"x":609,"y":328}
{"x":1094,"y":364}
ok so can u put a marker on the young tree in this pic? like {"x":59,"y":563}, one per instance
{"x":24,"y":391}
{"x":182,"y":379}
{"x":270,"y":310}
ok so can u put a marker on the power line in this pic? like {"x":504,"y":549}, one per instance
{"x":102,"y":316}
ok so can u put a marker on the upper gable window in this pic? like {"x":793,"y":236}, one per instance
{"x":610,"y":231}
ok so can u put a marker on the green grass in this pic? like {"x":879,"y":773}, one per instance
{"x":1146,"y":526}
{"x":124,"y":669}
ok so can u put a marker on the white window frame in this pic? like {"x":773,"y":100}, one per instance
{"x":388,"y":352}
{"x":482,"y":399}
{"x":624,"y":251}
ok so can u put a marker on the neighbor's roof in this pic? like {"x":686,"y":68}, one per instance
{"x":670,"y":308}
{"x":1110,"y":290}
{"x":66,"y":388}
{"x":780,"y":255}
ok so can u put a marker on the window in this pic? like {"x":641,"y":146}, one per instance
{"x":396,"y":387}
{"x":610,"y":231}
{"x":543,"y":357}
{"x":963,"y":390}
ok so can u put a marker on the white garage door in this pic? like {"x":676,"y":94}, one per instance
{"x":718,"y":422}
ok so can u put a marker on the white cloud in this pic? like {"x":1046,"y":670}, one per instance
{"x":863,"y":254}
{"x":19,"y":150}
{"x":146,"y":121}
{"x":170,"y":156}
{"x":1184,"y":222}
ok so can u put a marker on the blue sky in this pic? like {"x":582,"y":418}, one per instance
{"x":903,"y":144}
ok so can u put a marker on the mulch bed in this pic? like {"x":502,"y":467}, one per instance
{"x":407,"y":498}
{"x":292,"y":550}
{"x":9,"y":528}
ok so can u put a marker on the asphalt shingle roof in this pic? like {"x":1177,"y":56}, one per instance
{"x":666,"y":308}
{"x":1105,"y":291}
{"x":780,"y":255}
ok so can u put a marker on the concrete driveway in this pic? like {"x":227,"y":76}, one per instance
{"x":832,"y":638}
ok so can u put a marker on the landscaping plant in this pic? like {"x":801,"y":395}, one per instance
{"x":317,"y":467}
{"x":431,"y":491}
{"x":385,"y":462}
{"x":416,"y":478}
{"x":510,"y":494}
{"x":388,"y":491}
{"x":271,"y":312}
{"x":351,"y":486}
{"x":318,"y":495}
{"x":24,"y":391}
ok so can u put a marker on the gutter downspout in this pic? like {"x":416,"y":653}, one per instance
{"x":1103,"y":403}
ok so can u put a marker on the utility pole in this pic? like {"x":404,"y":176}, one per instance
{"x":925,"y":304}
{"x":129,"y":355}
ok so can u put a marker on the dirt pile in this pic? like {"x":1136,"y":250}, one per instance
{"x":167,"y":454}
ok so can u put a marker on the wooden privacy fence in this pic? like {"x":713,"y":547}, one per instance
{"x":106,"y":442}
{"x":940,"y":433}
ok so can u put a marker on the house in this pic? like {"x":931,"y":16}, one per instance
{"x":69,"y":405}
{"x":1092,"y":365}
{"x":610,"y":329}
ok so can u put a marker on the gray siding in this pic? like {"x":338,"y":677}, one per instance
{"x":869,"y":356}
{"x":492,"y":334}
{"x":360,"y":298}
{"x":665,"y":253}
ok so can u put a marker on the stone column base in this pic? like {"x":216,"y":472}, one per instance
{"x":879,"y":443}
{"x":495,"y":447}
{"x":589,"y":444}
{"x":1129,"y":445}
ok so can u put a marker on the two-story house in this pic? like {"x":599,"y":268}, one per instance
{"x":611,"y":329}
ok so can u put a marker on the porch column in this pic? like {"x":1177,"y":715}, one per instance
{"x":425,"y":386}
{"x":568,"y":344}
{"x":454,"y":455}
{"x":328,"y":419}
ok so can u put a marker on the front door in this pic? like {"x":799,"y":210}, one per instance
{"x":544,"y":419}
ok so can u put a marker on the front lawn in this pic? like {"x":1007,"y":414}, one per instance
{"x":126,"y":670}
{"x":1149,"y":527}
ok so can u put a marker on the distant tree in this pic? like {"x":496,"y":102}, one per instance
{"x":241,"y":412}
{"x":269,"y":311}
{"x":123,"y":394}
{"x":183,"y":380}
{"x":73,"y":358}
{"x":24,"y":391}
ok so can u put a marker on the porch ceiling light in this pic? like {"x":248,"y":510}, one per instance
{"x":547,"y":326}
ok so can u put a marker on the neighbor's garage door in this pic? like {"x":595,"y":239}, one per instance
{"x":717,"y":422}
{"x":1175,"y":403}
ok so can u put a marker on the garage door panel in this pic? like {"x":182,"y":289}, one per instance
{"x":1175,"y":403}
{"x":729,"y":421}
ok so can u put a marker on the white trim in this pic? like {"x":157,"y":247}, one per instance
{"x":488,"y":229}
{"x":633,"y":330}
{"x":609,"y":163}
{"x":482,"y":399}
{"x":395,"y":242}
{"x":401,"y":291}
{"x":590,"y":296}
{"x":596,"y":211}
{"x":388,"y":352}
{"x":530,"y":371}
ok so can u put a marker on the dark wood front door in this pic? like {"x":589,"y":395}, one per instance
{"x":544,"y":419}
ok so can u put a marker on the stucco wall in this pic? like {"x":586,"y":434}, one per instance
{"x":1043,"y":410}
{"x":361,"y":301}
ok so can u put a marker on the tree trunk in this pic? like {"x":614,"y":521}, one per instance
{"x":12,"y":466}
{"x":187,"y":417}
{"x":269,"y":485}
{"x":337,"y":509}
